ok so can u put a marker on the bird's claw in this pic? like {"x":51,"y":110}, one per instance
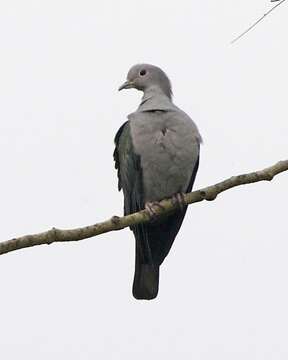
{"x":151,"y":208}
{"x":179,"y":201}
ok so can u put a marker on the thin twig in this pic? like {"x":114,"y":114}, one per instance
{"x":257,"y":22}
{"x":118,"y":223}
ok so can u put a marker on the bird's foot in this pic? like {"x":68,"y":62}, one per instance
{"x":151,"y":208}
{"x":179,"y":201}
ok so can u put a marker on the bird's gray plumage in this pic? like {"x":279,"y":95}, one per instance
{"x":157,"y":156}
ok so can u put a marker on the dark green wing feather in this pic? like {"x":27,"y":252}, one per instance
{"x":130,"y":180}
{"x":129,"y":170}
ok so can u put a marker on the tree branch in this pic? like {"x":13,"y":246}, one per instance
{"x":116,"y":223}
{"x":257,"y":22}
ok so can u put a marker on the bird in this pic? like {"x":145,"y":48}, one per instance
{"x":157,"y":157}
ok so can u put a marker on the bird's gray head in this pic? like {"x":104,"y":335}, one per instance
{"x":146,"y":77}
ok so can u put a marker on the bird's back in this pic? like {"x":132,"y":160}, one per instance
{"x":167,"y":142}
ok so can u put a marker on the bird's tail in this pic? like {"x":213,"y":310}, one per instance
{"x":146,"y":281}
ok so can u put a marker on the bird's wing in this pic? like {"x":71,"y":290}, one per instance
{"x":130,"y":181}
{"x":129,"y":170}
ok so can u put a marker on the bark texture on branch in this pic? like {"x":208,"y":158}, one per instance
{"x":116,"y":223}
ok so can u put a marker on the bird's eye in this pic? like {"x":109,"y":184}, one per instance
{"x":142,"y":72}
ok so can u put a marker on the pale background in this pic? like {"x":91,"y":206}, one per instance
{"x":223,"y":289}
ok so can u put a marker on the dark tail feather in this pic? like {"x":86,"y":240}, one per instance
{"x":146,"y":281}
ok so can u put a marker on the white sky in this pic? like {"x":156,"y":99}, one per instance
{"x":223,"y":289}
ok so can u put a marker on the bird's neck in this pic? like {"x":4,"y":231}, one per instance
{"x":154,"y":98}
{"x":155,"y":92}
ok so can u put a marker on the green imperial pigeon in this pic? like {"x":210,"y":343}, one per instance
{"x":157,"y":157}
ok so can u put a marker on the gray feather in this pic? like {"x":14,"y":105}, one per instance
{"x":168,"y":145}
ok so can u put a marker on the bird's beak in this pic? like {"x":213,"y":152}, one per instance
{"x":126,"y":85}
